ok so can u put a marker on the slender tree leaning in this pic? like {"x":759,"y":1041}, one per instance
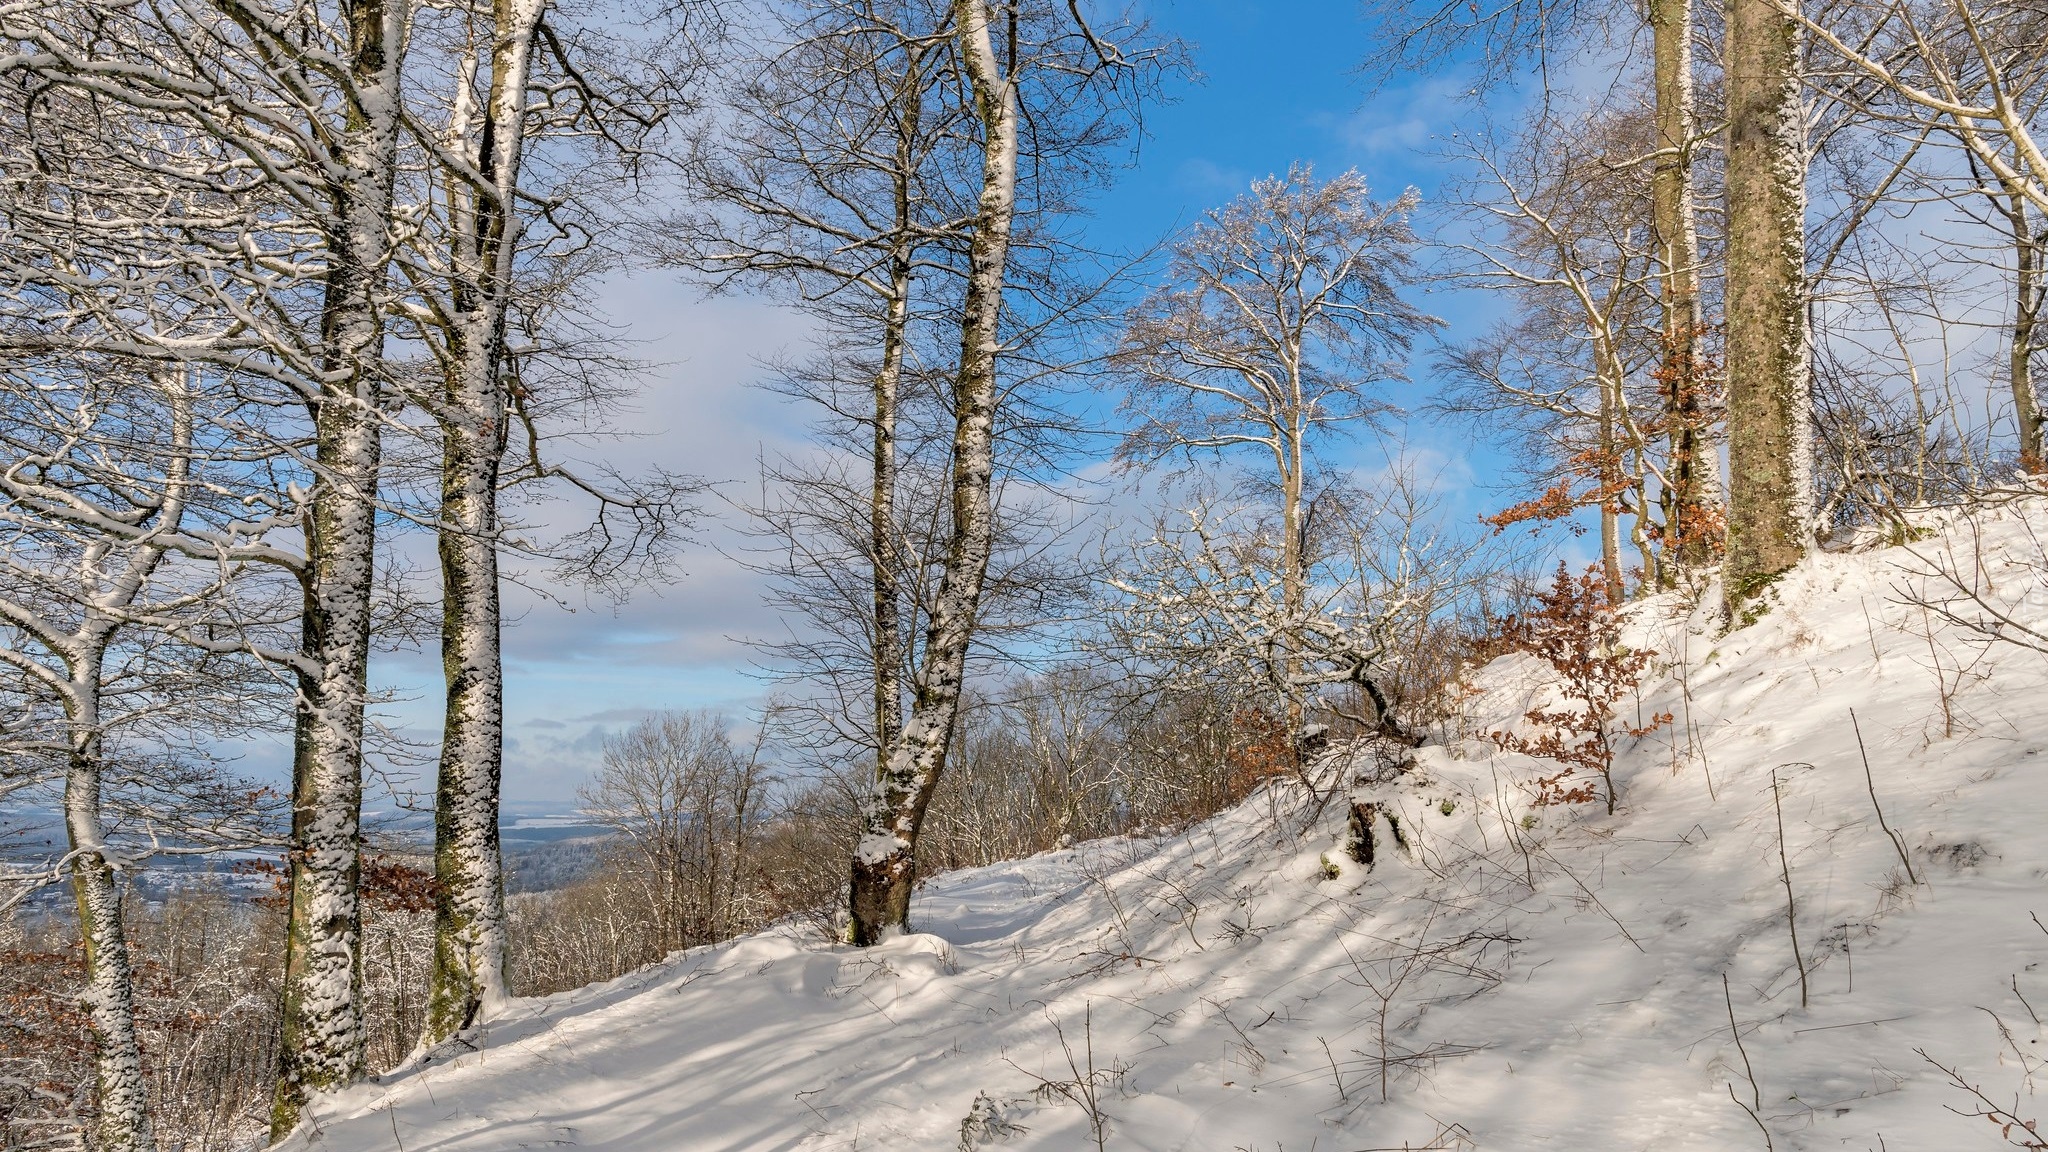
{"x":72,"y":456}
{"x":884,"y":861}
{"x":78,"y":622}
{"x":840,"y":160}
{"x":1768,"y":357}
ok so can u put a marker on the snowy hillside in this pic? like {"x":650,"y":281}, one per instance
{"x":1519,"y":979}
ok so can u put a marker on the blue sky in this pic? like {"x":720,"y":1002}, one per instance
{"x":1278,"y":84}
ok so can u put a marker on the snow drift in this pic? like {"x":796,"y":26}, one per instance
{"x":1504,"y":977}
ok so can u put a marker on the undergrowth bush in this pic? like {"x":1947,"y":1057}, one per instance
{"x":1575,"y":627}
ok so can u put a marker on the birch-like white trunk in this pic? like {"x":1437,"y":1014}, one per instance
{"x":468,"y":978}
{"x":122,"y":1121}
{"x":886,"y":648}
{"x":1291,"y":454}
{"x":321,"y":1013}
{"x":884,"y":863}
{"x":1609,"y":477}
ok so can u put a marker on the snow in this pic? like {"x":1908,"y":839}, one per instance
{"x":1546,"y":978}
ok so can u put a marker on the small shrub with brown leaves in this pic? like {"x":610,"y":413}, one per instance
{"x":1576,"y":629}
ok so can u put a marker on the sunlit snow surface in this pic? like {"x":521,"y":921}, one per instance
{"x":1226,"y":995}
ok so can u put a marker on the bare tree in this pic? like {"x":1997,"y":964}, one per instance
{"x":287,"y":122}
{"x":1280,"y":326}
{"x":884,"y":862}
{"x":1543,"y":30}
{"x":2025,"y":230}
{"x":1970,"y":73}
{"x":477,"y":267}
{"x":75,"y":607}
{"x":1052,"y":56}
{"x":877,"y":165}
{"x":1691,"y":479}
{"x":692,"y":808}
{"x":482,"y":222}
{"x":1975,"y":66}
{"x":1575,"y":380}
{"x":837,"y":172}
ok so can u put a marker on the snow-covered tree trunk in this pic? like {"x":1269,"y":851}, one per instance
{"x":886,"y":645}
{"x":469,"y":904}
{"x":2030,"y":286}
{"x":122,"y":1122}
{"x":111,"y":579}
{"x":1769,"y":437}
{"x":1691,"y":482}
{"x":322,"y":1017}
{"x":884,"y":863}
{"x":469,"y":910}
{"x":322,"y":1013}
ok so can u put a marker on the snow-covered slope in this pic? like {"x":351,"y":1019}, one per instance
{"x":1520,"y":979}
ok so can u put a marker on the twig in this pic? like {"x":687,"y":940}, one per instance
{"x":1692,"y":736}
{"x":2008,"y":1119}
{"x":1948,"y":715}
{"x":1085,"y":1089}
{"x":1871,"y":783}
{"x":1852,"y":1024}
{"x":1552,"y":857}
{"x":1848,"y":956}
{"x":2023,"y":1001}
{"x":1756,"y":1094}
{"x":1785,"y":872}
{"x":1342,"y":1097}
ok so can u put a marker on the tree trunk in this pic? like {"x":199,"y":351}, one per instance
{"x":321,"y":1014}
{"x":468,"y":976}
{"x":887,"y":647}
{"x":2028,"y":286}
{"x":1293,"y":577}
{"x":1769,"y":435}
{"x":1678,"y":254}
{"x":322,"y":1024}
{"x":122,"y":1123}
{"x":1609,"y":480}
{"x":884,"y":864}
{"x":468,"y":973}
